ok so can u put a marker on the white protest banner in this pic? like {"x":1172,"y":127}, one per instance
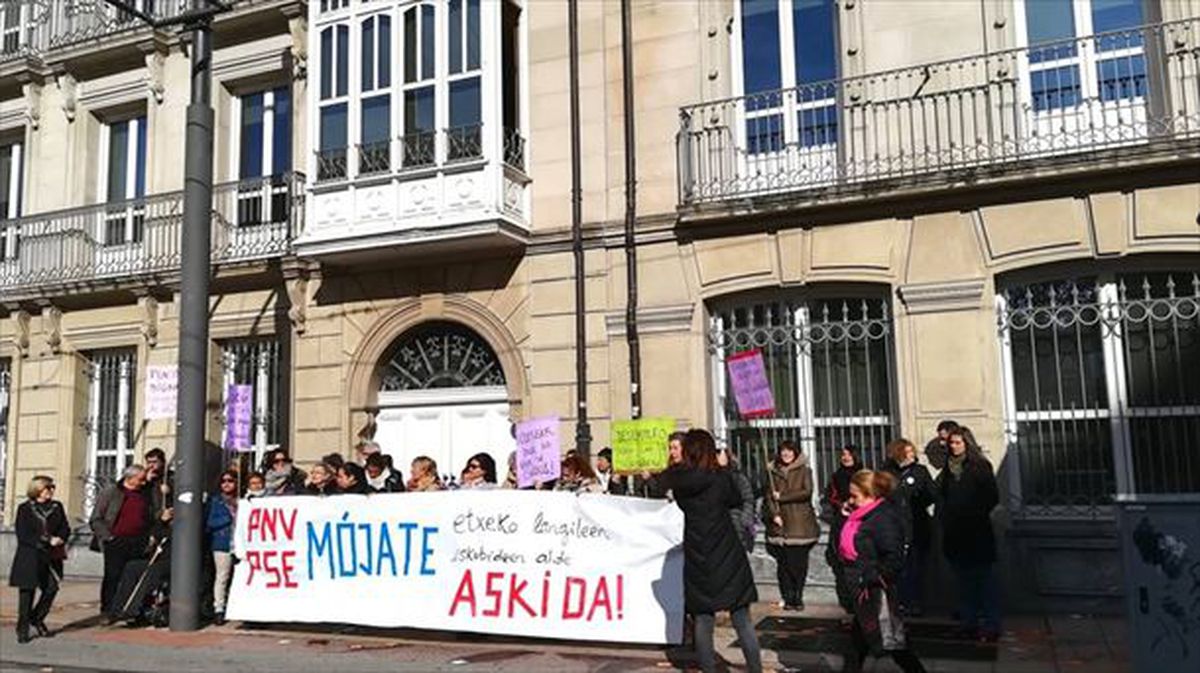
{"x":162,"y":391}
{"x":539,"y":453}
{"x":526,"y":563}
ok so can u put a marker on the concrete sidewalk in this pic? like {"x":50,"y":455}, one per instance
{"x":811,"y":641}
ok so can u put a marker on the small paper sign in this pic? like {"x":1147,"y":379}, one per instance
{"x":239,"y":412}
{"x":641,"y":445}
{"x":751,"y":389}
{"x":539,"y":454}
{"x":162,"y":391}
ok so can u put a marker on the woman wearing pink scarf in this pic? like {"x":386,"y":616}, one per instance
{"x":871,"y":544}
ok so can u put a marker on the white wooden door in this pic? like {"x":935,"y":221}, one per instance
{"x":448,"y":425}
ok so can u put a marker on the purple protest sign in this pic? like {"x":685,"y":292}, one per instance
{"x":539,"y":454}
{"x":751,"y":389}
{"x":239,"y":412}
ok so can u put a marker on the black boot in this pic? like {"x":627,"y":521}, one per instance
{"x":42,"y":630}
{"x":23,"y":638}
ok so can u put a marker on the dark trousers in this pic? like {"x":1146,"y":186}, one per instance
{"x":912,"y":581}
{"x":979,"y":606}
{"x":791,"y":569}
{"x":859,"y":648}
{"x":29,"y":613}
{"x":706,"y":652}
{"x":117,"y":552}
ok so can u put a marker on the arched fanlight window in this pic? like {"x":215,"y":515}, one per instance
{"x":440,"y":355}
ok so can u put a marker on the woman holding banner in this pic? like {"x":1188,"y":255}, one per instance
{"x":791,"y":521}
{"x":716,"y":573}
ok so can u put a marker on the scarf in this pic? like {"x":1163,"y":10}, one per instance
{"x":379,"y":483}
{"x":841,"y":482}
{"x":277,"y":479}
{"x":251,"y":493}
{"x":850,"y":529}
{"x":956,"y":464}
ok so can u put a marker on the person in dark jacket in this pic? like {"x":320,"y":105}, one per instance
{"x":42,"y":532}
{"x":834,"y":506}
{"x":219,"y":526}
{"x":914,"y":494}
{"x":967,"y":494}
{"x":120,"y":522}
{"x":612,"y":483}
{"x":743,"y":514}
{"x":322,"y":480}
{"x":716,"y":572}
{"x":871,"y":545}
{"x":282,"y":477}
{"x":792,"y":529}
{"x":351,"y":478}
{"x":381,"y":478}
{"x":936,"y":449}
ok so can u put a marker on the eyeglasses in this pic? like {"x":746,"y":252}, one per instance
{"x":228,"y":481}
{"x":474,"y":466}
{"x":279,"y":460}
{"x":50,"y":487}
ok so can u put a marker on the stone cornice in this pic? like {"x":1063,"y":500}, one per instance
{"x":964,"y":295}
{"x":653,"y":319}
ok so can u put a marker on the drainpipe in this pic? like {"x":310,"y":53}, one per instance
{"x":583,"y":433}
{"x":631,"y":275}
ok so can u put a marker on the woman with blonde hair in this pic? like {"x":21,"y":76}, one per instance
{"x":424,"y":475}
{"x":42,"y":532}
{"x":577,"y":475}
{"x":914,"y":495}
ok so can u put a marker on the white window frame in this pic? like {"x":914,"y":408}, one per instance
{"x":395,"y":45}
{"x":132,"y":210}
{"x":22,"y":9}
{"x":9,"y":233}
{"x":437,"y":82}
{"x":258,"y":190}
{"x":334,"y":99}
{"x":123,"y":453}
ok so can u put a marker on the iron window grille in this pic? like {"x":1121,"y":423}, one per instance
{"x":331,"y":164}
{"x":1100,"y":392}
{"x":440,"y":355}
{"x":514,"y":149}
{"x":464,"y":143}
{"x":419,"y":149}
{"x":374,"y":158}
{"x":111,"y":435}
{"x":258,"y":364}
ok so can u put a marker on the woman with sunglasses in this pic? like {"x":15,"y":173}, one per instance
{"x":282,"y":477}
{"x":219,"y":525}
{"x":42,"y":532}
{"x":480,"y":472}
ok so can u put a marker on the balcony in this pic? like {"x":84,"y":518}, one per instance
{"x":1079,"y":103}
{"x":418,"y":193}
{"x":138,"y":241}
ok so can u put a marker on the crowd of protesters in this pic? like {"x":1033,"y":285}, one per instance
{"x":882,"y":526}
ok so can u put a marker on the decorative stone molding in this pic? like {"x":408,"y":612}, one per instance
{"x":653,"y":320}
{"x":126,"y":89}
{"x":52,"y":326}
{"x":298,"y":28}
{"x":301,"y":290}
{"x":155,"y":82}
{"x":69,"y":89}
{"x":149,"y":327}
{"x":268,"y":60}
{"x":21,"y":338}
{"x":939,"y":297}
{"x":32,"y":93}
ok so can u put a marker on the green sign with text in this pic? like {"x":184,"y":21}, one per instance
{"x":641,"y":445}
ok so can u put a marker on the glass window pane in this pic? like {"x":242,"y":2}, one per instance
{"x":816,"y":55}
{"x":368,"y":54}
{"x":472,"y":34}
{"x":376,"y":114}
{"x":760,"y":46}
{"x":1110,"y":15}
{"x":139,"y":169}
{"x":281,"y":134}
{"x":1122,"y":78}
{"x":385,"y":51}
{"x":418,"y":110}
{"x":818,"y":126}
{"x":764,"y":134}
{"x":410,"y":45}
{"x":1049,"y":20}
{"x":118,"y":159}
{"x":427,"y":42}
{"x":456,"y":33}
{"x":326,"y":63}
{"x":343,"y":60}
{"x":251,"y":136}
{"x":464,"y":102}
{"x":1055,"y":88}
{"x":7,"y":172}
{"x":333,"y":126}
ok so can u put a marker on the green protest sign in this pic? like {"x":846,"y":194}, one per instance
{"x":641,"y":445}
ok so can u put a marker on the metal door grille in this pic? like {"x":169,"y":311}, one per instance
{"x":110,"y":418}
{"x":831,"y":370}
{"x":1101,"y":392}
{"x":257,"y":363}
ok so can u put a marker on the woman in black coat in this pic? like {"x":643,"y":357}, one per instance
{"x":914,"y":494}
{"x":834,"y":504}
{"x":716,"y":574}
{"x":871,"y":546}
{"x":42,"y":533}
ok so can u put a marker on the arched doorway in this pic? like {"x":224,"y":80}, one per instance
{"x":442,"y":394}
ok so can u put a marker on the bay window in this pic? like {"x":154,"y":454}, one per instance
{"x":418,"y":145}
{"x":333,"y":109}
{"x":374,"y":154}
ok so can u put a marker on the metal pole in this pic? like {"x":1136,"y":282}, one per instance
{"x":187,"y":544}
{"x":583,"y":433}
{"x":631,"y":275}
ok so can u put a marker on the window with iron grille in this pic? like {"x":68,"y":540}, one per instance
{"x":830,"y":365}
{"x":257,"y":363}
{"x":1098,"y":396}
{"x":110,"y":429}
{"x":5,"y":396}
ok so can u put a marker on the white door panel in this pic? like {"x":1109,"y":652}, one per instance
{"x":450,"y":434}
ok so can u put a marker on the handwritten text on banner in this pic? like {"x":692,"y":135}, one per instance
{"x":526,"y":563}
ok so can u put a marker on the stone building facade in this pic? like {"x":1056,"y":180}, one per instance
{"x":985,"y":211}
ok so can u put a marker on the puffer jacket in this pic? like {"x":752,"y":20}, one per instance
{"x":743,"y":515}
{"x":794,"y":483}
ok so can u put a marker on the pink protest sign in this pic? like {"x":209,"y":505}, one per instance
{"x":539,"y":454}
{"x":239,"y":412}
{"x":751,"y":389}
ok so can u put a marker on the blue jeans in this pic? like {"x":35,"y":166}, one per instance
{"x":977,"y":600}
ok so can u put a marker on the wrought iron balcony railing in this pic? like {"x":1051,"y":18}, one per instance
{"x":252,"y":219}
{"x":1133,"y":90}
